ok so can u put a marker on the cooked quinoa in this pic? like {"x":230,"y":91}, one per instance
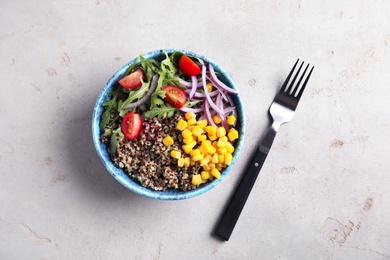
{"x":147,"y":160}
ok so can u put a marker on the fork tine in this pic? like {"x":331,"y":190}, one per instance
{"x":299,"y":82}
{"x":304,"y":84}
{"x":290,"y":88}
{"x":288,"y":77}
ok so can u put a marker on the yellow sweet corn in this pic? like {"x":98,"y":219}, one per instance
{"x":214,"y":159}
{"x":211,"y":130}
{"x":196,"y":179}
{"x":168,"y":141}
{"x":202,"y":123}
{"x":187,"y":162}
{"x":197,"y":157}
{"x":215,"y":172}
{"x":222,"y":141}
{"x":175,"y":154}
{"x":230,"y":120}
{"x":221,"y":131}
{"x":180,"y":162}
{"x":195,"y":152}
{"x":206,"y":167}
{"x":229,"y":147}
{"x":221,"y":158}
{"x":205,"y":175}
{"x":202,"y":138}
{"x":197,"y":131}
{"x":187,"y":148}
{"x":216,"y":119}
{"x":181,"y":124}
{"x":188,"y":140}
{"x":190,"y":115}
{"x":228,"y":158}
{"x":186,"y":133}
{"x":222,"y":150}
{"x":232,"y":134}
{"x":209,"y":86}
{"x":191,"y":121}
{"x":213,"y":137}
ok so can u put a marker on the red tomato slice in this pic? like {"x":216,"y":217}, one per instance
{"x":175,"y":96}
{"x":133,"y":80}
{"x":131,"y":125}
{"x":188,"y":66}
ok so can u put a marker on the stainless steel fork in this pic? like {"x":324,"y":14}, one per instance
{"x":282,"y":110}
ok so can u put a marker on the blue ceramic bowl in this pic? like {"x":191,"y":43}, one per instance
{"x":121,"y":176}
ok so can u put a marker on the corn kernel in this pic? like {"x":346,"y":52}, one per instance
{"x":221,"y":158}
{"x":197,"y":157}
{"x":214,"y":159}
{"x":196,"y":179}
{"x":209,"y":86}
{"x":191,"y":121}
{"x":186,"y":133}
{"x":181,"y":125}
{"x":229,"y":147}
{"x":205,"y":175}
{"x":206,"y":167}
{"x":202,"y":123}
{"x":222,"y":150}
{"x":192,"y":144}
{"x":187,"y":162}
{"x":230,"y":120}
{"x":211,"y":149}
{"x":195,"y":152}
{"x":221,"y":131}
{"x":206,"y":159}
{"x":222,"y":141}
{"x":228,"y":158}
{"x":215,"y":172}
{"x":190,"y":115}
{"x":197,"y":131}
{"x":211,"y":166}
{"x":168,"y":141}
{"x":215,"y":144}
{"x":219,"y":167}
{"x":175,"y":154}
{"x":192,"y":162}
{"x":180,"y":162}
{"x":212,"y":137}
{"x":211,"y":130}
{"x":186,"y":148}
{"x":232,"y":135}
{"x":202,"y":138}
{"x":216,"y":119}
{"x":188,"y":140}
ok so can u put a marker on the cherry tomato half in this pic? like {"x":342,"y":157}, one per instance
{"x":188,"y":66}
{"x":174,"y":96}
{"x":131,"y":125}
{"x":133,"y":80}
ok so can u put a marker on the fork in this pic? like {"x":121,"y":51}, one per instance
{"x":282,"y":110}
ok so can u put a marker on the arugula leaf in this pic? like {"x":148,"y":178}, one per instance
{"x":133,"y":96}
{"x":114,"y":141}
{"x":111,"y":105}
{"x":162,"y":111}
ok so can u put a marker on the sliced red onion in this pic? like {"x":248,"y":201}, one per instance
{"x":228,"y":110}
{"x":207,"y":113}
{"x":220,"y":83}
{"x":189,"y":84}
{"x":152,"y":88}
{"x":202,"y":95}
{"x":190,"y":109}
{"x":193,"y":89}
{"x":208,"y":98}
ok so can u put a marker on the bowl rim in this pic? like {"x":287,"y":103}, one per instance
{"x":120,"y":175}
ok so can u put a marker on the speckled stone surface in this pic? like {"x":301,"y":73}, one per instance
{"x":323,"y":192}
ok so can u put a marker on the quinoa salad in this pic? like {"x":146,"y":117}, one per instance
{"x":170,"y":124}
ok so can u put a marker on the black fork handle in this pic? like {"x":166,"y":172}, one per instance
{"x":232,"y":212}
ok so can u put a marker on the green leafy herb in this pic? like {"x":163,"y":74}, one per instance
{"x":161,"y":111}
{"x":114,"y":140}
{"x":110,"y":105}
